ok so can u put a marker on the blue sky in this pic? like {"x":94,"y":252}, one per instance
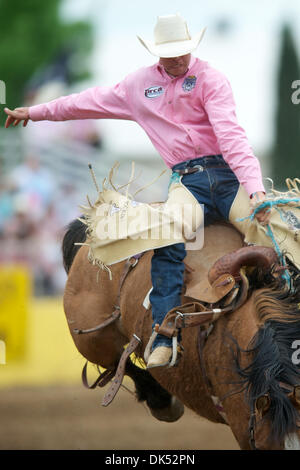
{"x":247,"y":53}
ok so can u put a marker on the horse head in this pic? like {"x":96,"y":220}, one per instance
{"x":271,"y":374}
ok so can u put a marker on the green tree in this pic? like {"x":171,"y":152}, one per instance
{"x":286,"y":151}
{"x":34,"y":35}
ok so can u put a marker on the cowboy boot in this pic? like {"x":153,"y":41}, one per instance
{"x":159,"y":357}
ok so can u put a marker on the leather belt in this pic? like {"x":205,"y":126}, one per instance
{"x":194,"y":169}
{"x":189,"y":170}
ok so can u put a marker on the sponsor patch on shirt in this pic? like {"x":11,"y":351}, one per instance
{"x":154,"y":91}
{"x":189,"y":83}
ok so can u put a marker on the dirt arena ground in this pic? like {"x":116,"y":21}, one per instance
{"x":71,"y":417}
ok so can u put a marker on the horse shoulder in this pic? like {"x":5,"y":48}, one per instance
{"x":88,"y":300}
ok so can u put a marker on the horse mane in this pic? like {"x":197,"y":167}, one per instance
{"x":278,"y":318}
{"x":75,"y":233}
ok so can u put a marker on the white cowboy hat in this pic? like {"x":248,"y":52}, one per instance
{"x":172,"y":37}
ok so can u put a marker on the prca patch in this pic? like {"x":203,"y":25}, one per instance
{"x":154,"y":91}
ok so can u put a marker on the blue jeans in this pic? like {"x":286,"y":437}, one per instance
{"x":215,"y":186}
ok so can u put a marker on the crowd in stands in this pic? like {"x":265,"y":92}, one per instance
{"x":34,"y":212}
{"x":34,"y":208}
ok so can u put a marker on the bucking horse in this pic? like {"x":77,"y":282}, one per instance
{"x":239,"y":358}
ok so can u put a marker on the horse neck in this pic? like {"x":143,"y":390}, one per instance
{"x":232,"y":332}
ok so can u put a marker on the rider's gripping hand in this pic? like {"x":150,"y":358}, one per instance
{"x":263,"y":216}
{"x":16,"y":116}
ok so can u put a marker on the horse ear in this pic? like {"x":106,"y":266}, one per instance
{"x":262,"y":405}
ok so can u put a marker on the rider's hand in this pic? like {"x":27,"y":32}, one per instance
{"x":16,"y":116}
{"x":263,"y":216}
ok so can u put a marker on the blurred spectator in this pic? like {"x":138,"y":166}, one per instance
{"x":66,"y":203}
{"x":33,"y":214}
{"x":17,"y":230}
{"x":47,"y":262}
{"x":6,"y":205}
{"x":34,"y":186}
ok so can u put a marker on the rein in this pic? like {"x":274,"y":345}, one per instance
{"x":251,"y":428}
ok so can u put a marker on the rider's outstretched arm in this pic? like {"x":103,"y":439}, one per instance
{"x":93,"y":103}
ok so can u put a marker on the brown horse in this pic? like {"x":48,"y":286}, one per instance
{"x":248,"y":372}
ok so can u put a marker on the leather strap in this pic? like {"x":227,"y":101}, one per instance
{"x":118,"y":379}
{"x":132,"y":346}
{"x":114,"y":316}
{"x":188,"y":315}
{"x":130,"y":263}
{"x":101,"y":381}
{"x":187,"y":171}
{"x":202,"y":335}
{"x":194,"y":169}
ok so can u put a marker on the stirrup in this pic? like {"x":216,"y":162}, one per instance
{"x":147,"y":351}
{"x":175,"y":345}
{"x":174,"y":351}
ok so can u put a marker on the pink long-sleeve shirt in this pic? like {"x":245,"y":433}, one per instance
{"x":185,"y":117}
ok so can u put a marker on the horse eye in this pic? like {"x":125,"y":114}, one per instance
{"x":263,"y":403}
{"x":297,"y":393}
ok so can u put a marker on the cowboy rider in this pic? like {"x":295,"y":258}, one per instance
{"x":187,"y":109}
